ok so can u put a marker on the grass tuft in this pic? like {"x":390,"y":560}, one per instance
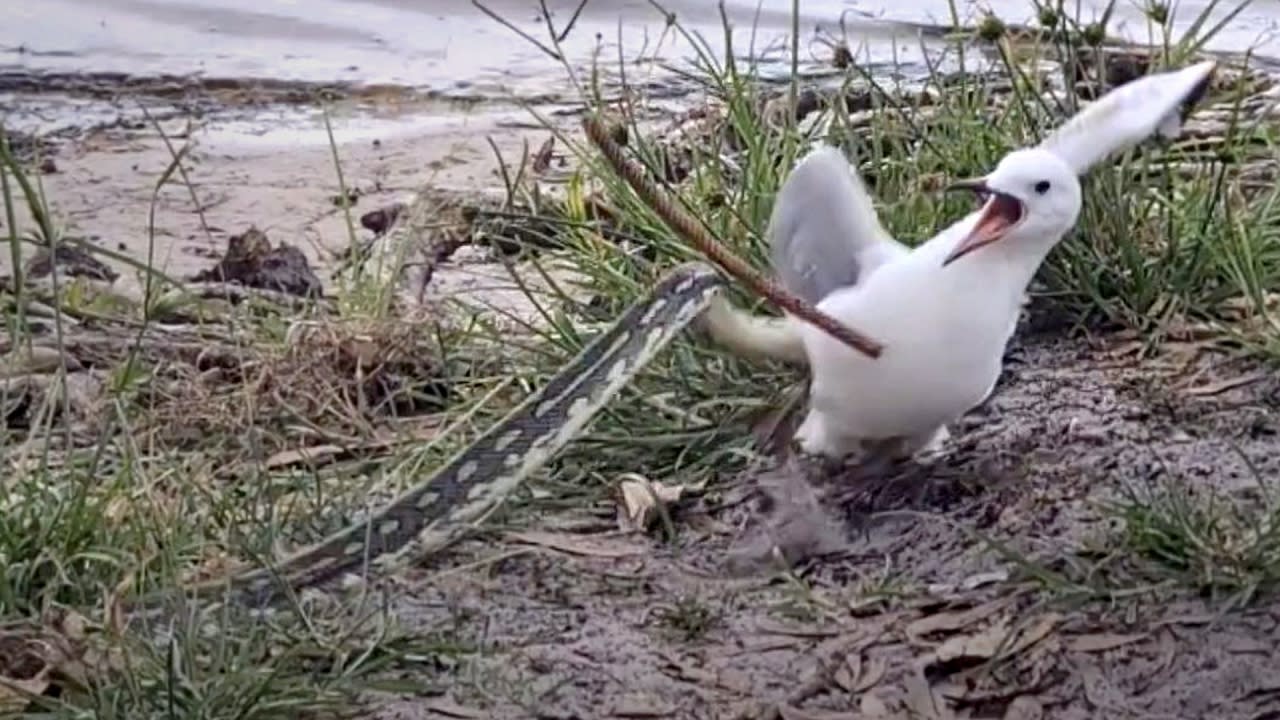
{"x":1221,"y":545}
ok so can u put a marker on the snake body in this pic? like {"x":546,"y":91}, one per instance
{"x":429,"y":514}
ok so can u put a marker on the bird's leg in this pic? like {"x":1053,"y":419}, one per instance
{"x":927,"y":444}
{"x":816,"y":437}
{"x":897,"y":449}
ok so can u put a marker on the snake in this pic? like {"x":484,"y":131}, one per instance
{"x":429,"y":514}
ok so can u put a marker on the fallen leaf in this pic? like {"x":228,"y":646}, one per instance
{"x":924,"y":700}
{"x":973,"y":582}
{"x":320,"y":454}
{"x":16,"y":695}
{"x":639,"y":499}
{"x":31,"y":660}
{"x":640,"y":707}
{"x":585,"y":545}
{"x":1101,"y":642}
{"x":787,"y":712}
{"x":312,"y":454}
{"x":448,"y":708}
{"x":1191,"y":619}
{"x":1221,"y":386}
{"x":724,"y":678}
{"x":979,"y":646}
{"x":36,"y":360}
{"x":542,"y":160}
{"x":766,"y":626}
{"x":849,"y":674}
{"x":951,"y":621}
{"x":874,"y":706}
{"x":997,"y":638}
{"x":855,"y":676}
{"x":1249,"y":646}
{"x":1024,"y":707}
{"x":1038,"y":631}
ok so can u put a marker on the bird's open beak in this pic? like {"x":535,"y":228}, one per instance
{"x":1000,"y":213}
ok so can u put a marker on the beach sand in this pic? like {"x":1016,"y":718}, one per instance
{"x":444,"y":77}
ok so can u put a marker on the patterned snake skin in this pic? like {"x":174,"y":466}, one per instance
{"x":428,"y":515}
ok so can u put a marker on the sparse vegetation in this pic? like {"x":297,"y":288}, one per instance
{"x":263,"y":425}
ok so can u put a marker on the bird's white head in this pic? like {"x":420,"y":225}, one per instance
{"x":1032,"y":200}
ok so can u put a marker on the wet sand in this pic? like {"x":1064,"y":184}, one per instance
{"x":441,"y":79}
{"x":438,"y":43}
{"x":284,"y":185}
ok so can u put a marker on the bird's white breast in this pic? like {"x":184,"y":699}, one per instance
{"x":944,"y":331}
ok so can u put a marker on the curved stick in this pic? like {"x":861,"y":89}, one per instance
{"x":692,"y":231}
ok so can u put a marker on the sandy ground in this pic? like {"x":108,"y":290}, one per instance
{"x":904,"y":613}
{"x":275,"y":173}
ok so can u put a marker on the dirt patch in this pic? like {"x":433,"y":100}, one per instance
{"x":914,"y":610}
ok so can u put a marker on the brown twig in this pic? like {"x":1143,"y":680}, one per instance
{"x":692,"y":231}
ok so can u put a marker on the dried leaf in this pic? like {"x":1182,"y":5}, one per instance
{"x":995,"y":639}
{"x":320,"y":454}
{"x":766,"y":626}
{"x":1249,"y":646}
{"x":585,"y":545}
{"x":787,"y":712}
{"x":872,"y":674}
{"x":449,"y":708}
{"x":973,"y":582}
{"x":37,"y":360}
{"x":308,"y":455}
{"x":641,"y":707}
{"x":1101,"y":642}
{"x":1024,"y":707}
{"x":979,"y":646}
{"x":1043,"y":626}
{"x":952,"y":621}
{"x":925,"y":701}
{"x":638,"y":500}
{"x":542,"y":161}
{"x":32,"y":659}
{"x":1221,"y":386}
{"x":855,"y":676}
{"x":873,"y":706}
{"x":16,"y":695}
{"x":724,"y":678}
{"x":849,"y":674}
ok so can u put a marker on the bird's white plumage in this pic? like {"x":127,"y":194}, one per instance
{"x":1128,"y":115}
{"x":944,"y":324}
{"x":825,"y":232}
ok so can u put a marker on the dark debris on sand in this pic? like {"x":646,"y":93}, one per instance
{"x":71,"y":261}
{"x":250,"y":260}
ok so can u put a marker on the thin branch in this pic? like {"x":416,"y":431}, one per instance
{"x":692,"y":231}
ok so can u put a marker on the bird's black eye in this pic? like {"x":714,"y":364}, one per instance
{"x":1042,"y":187}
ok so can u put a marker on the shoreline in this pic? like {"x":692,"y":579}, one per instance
{"x":261,"y":155}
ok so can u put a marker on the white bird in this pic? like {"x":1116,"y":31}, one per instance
{"x":946,"y":309}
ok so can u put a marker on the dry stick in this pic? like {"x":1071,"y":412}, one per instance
{"x":693,"y":232}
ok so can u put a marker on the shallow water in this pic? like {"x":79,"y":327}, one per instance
{"x":449,"y":43}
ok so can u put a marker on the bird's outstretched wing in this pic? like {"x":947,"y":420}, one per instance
{"x":1129,"y":114}
{"x":824,"y":232}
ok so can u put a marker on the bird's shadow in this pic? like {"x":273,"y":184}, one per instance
{"x":807,"y":510}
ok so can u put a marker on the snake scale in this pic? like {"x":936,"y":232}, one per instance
{"x":427,"y":515}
